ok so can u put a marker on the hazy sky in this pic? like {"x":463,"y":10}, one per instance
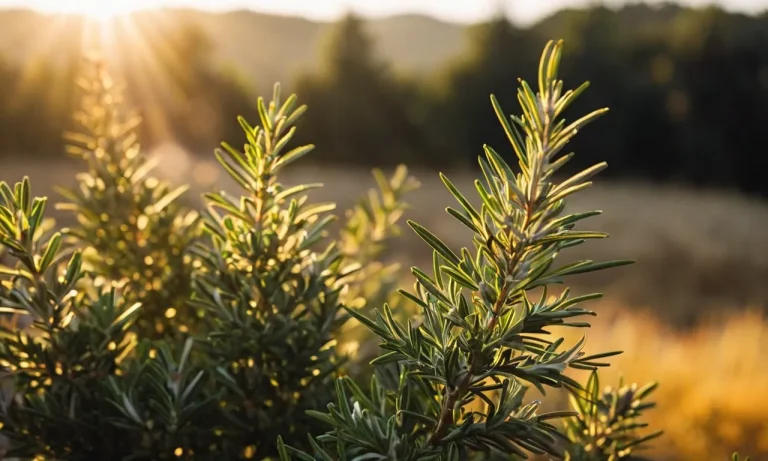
{"x":523,"y":11}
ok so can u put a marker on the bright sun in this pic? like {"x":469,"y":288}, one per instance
{"x":101,"y":10}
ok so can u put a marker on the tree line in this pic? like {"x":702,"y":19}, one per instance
{"x":687,"y":88}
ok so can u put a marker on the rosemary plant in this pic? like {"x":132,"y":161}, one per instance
{"x":481,"y":337}
{"x":271,"y":284}
{"x":57,"y":365}
{"x":606,"y":427}
{"x":130,"y":224}
{"x":112,"y":368}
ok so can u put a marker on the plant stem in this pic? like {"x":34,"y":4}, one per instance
{"x":452,"y":394}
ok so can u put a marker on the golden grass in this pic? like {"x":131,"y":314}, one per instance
{"x":713,"y":393}
{"x":702,"y":258}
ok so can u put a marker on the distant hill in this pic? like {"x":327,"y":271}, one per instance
{"x":265,"y":47}
{"x":268,"y":48}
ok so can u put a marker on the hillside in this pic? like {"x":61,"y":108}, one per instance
{"x":264,"y":47}
{"x":274,"y":47}
{"x":268,"y":47}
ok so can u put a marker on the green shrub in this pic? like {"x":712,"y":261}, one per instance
{"x":263,"y":298}
{"x":607,"y":424}
{"x":451,"y":384}
{"x":271,"y":286}
{"x":265,"y":276}
{"x":131,"y":226}
{"x":73,"y":344}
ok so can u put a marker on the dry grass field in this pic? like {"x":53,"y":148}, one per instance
{"x":690,"y":313}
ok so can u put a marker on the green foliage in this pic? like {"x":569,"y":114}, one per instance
{"x":162,"y":405}
{"x":59,"y":364}
{"x":452,"y":384}
{"x":92,"y":377}
{"x":606,"y":427}
{"x":272,"y":286}
{"x":81,"y":388}
{"x":266,"y":276}
{"x":131,"y":225}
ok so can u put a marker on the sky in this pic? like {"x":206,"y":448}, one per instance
{"x":522,"y":11}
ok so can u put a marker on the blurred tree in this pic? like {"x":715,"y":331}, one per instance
{"x":689,"y":88}
{"x":722,"y":71}
{"x":461,"y":112}
{"x":597,"y":52}
{"x":366,"y":117}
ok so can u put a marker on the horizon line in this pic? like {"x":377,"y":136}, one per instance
{"x":389,"y":15}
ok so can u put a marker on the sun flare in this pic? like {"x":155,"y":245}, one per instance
{"x":143,"y":43}
{"x":99,"y":10}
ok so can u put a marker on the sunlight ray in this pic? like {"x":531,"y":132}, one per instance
{"x":142,"y":67}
